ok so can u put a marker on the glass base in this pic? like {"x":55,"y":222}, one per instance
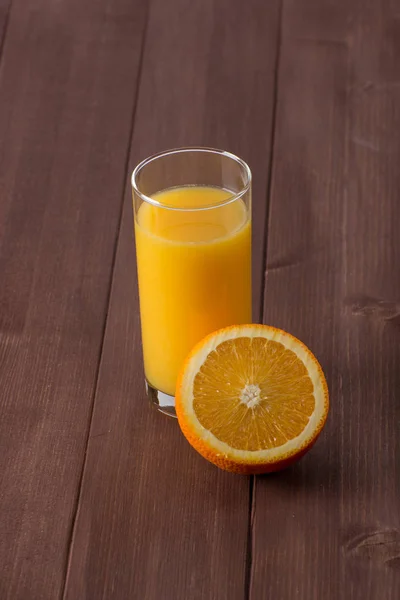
{"x":163,"y":402}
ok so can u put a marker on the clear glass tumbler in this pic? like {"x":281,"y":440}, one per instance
{"x":192,"y":212}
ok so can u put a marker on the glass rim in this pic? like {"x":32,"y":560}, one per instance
{"x":232,"y":198}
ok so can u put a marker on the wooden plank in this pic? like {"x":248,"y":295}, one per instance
{"x":67,"y":88}
{"x":329,"y":527}
{"x":155,"y":520}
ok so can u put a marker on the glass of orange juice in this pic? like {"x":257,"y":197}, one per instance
{"x":192,"y":212}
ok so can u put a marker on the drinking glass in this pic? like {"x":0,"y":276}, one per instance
{"x":192,"y":214}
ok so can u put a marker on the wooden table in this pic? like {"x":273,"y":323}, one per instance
{"x":100,"y":496}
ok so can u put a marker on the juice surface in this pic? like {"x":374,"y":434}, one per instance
{"x":194,"y":272}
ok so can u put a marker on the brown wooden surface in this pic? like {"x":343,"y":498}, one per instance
{"x":61,"y":184}
{"x":100,"y":497}
{"x":175,"y":518}
{"x":330,"y":527}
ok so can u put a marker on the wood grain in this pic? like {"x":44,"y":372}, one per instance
{"x":155,"y":520}
{"x":329,"y":527}
{"x":67,"y":89}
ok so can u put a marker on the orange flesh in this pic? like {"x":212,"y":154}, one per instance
{"x":262,"y":395}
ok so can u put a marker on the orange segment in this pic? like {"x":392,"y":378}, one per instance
{"x":251,"y":398}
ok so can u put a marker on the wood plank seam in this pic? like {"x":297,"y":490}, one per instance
{"x":3,"y":33}
{"x":249,"y":549}
{"x":271,"y":160}
{"x":260,"y":316}
{"x":126,"y":167}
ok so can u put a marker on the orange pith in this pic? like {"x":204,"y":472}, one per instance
{"x":251,"y":398}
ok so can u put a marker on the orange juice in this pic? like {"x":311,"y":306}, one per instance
{"x":194,"y":272}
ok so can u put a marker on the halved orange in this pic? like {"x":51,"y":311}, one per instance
{"x":251,"y":399}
